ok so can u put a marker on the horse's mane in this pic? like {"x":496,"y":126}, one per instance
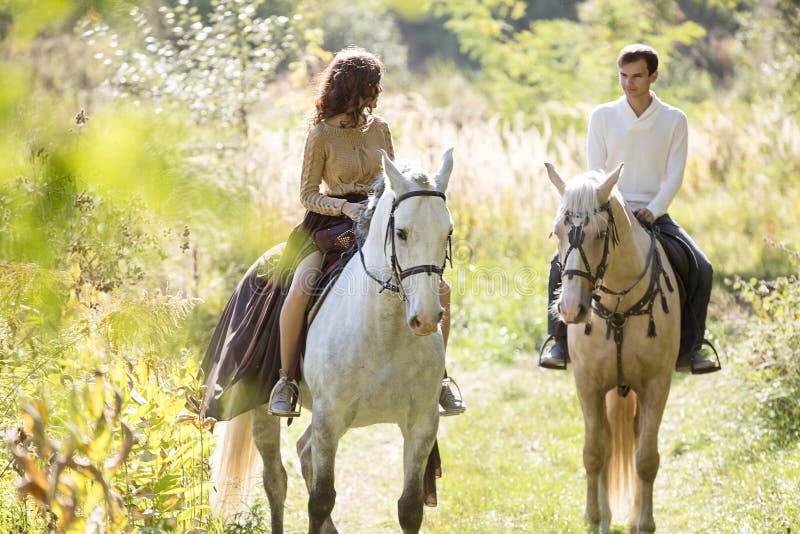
{"x":415,"y":174}
{"x":580,"y":199}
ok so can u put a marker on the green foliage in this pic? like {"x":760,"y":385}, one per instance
{"x":561,"y":60}
{"x":216,"y":66}
{"x":71,"y":478}
{"x":728,"y":168}
{"x":165,"y":480}
{"x":774,"y":346}
{"x":769,"y":54}
{"x":28,"y":19}
{"x":80,"y":289}
{"x":342,"y":23}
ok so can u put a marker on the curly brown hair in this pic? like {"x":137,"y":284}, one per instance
{"x":350,"y":84}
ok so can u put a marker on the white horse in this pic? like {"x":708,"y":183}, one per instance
{"x":370,"y":357}
{"x":614,"y":279}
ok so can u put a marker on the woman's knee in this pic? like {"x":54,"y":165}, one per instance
{"x":305,"y":279}
{"x":297,"y":296}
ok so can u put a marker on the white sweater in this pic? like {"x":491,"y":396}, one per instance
{"x":653,"y":147}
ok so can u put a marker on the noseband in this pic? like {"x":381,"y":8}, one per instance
{"x":576,"y":236}
{"x":398,"y":273}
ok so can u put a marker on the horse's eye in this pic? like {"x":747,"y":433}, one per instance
{"x":402,"y":235}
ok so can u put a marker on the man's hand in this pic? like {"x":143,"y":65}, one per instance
{"x":646,"y":214}
{"x":352,"y":209}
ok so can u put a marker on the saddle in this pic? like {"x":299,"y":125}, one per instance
{"x":687,"y":274}
{"x":335,"y":240}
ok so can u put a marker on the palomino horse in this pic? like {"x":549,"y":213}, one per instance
{"x":623,"y":336}
{"x":369,"y":356}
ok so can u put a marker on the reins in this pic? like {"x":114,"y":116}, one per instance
{"x":398,"y":273}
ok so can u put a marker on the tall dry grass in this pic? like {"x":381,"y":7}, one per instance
{"x":739,"y":178}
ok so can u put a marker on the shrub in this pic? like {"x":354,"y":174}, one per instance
{"x":774,"y":347}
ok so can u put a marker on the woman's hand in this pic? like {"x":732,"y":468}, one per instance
{"x":352,"y":209}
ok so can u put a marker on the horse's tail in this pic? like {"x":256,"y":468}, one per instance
{"x":233,"y":467}
{"x":623,"y":415}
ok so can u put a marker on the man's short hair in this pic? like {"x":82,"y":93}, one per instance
{"x":638,"y":51}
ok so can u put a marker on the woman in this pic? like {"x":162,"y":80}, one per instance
{"x":256,"y":340}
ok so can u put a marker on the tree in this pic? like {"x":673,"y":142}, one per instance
{"x":215,"y":65}
{"x":558,"y":59}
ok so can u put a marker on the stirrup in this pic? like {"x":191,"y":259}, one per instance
{"x":458,"y":397}
{"x":710,"y":369}
{"x":296,"y":401}
{"x":544,"y":344}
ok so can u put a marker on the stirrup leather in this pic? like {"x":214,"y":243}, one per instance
{"x":542,"y":348}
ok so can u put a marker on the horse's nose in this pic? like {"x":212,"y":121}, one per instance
{"x":423,"y":326}
{"x":573,"y":315}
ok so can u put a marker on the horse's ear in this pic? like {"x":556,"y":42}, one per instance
{"x":555,"y":179}
{"x":397,"y":181}
{"x":604,"y":191}
{"x":445,"y":168}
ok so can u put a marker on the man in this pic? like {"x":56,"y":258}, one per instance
{"x":650,"y":137}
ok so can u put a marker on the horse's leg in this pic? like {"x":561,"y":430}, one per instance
{"x":267,"y":436}
{"x":596,"y":456}
{"x":304,"y":453}
{"x":326,"y":430}
{"x":652,"y":400}
{"x":418,"y":438}
{"x":636,"y":507}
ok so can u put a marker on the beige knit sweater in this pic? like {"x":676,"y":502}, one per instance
{"x":341,"y":161}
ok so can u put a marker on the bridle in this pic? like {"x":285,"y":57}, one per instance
{"x":398,"y":273}
{"x":615,"y":318}
{"x":576,"y":236}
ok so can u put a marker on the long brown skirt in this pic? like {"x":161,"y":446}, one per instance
{"x":243,"y":359}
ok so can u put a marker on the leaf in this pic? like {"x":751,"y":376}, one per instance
{"x":32,"y":489}
{"x":186,"y":418}
{"x":35,"y":477}
{"x":96,"y":397}
{"x":112,"y":464}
